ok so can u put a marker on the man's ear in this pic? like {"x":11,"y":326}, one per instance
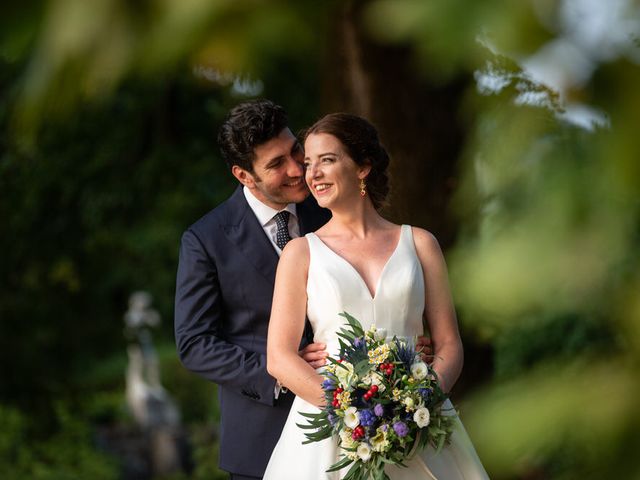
{"x":243,"y":176}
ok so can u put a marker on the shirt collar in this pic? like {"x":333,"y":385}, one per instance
{"x":263,"y":212}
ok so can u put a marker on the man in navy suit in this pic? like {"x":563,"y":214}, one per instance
{"x":225,"y":282}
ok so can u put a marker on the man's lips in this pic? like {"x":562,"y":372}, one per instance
{"x":294,"y":183}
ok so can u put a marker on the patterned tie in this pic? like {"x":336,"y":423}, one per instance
{"x":282,"y":235}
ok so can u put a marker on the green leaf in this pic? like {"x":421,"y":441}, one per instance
{"x":314,"y":416}
{"x":362,"y":367}
{"x":340,"y":464}
{"x":348,"y":336}
{"x":354,"y":323}
{"x":355,"y":472}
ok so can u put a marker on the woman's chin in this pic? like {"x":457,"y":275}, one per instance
{"x":323,"y":201}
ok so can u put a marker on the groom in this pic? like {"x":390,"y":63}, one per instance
{"x":226,"y":276}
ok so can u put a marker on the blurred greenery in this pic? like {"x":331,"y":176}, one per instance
{"x":108,"y":114}
{"x":546,"y":262}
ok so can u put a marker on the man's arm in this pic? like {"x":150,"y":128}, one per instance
{"x":198,"y":324}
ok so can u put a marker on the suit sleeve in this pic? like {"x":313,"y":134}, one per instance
{"x":198,"y":323}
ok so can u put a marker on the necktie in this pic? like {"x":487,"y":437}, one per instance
{"x":282,"y":222}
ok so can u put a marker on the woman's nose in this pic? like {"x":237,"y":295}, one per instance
{"x":312,"y":170}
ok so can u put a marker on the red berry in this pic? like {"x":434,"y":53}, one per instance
{"x":374,"y":389}
{"x":339,"y":389}
{"x":367,"y":396}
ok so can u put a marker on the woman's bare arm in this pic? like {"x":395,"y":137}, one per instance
{"x":439,"y":310}
{"x":287,"y":324}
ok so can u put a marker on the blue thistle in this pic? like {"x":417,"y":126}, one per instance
{"x":425,"y":393}
{"x":406,"y":354}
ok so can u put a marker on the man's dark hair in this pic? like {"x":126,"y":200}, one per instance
{"x":247,"y":126}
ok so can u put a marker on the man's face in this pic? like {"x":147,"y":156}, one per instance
{"x":278,"y":172}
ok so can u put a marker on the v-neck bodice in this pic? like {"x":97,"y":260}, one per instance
{"x":355,"y":271}
{"x":334,"y":286}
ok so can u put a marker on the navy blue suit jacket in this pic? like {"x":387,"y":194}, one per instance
{"x":224,"y":289}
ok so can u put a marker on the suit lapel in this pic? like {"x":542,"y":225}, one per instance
{"x":243,"y":230}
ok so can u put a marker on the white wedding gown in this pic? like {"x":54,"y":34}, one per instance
{"x":334,"y":286}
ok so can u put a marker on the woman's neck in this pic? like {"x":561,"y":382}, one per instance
{"x":358,"y":220}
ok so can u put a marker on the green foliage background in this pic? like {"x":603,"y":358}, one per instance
{"x":108,"y":152}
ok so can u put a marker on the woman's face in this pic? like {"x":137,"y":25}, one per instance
{"x":332,"y":176}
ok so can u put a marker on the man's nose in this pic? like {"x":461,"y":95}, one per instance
{"x":294,"y":168}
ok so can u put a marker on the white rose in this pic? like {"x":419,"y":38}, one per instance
{"x":364,"y":452}
{"x":374,"y":378}
{"x":419,"y":370}
{"x":422,"y":417}
{"x":381,"y":334}
{"x":345,"y":375}
{"x":351,"y":417}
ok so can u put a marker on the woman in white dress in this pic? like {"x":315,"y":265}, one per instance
{"x":384,"y":274}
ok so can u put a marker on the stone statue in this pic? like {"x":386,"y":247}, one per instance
{"x":150,"y":404}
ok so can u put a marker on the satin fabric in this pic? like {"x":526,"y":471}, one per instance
{"x":397,"y":305}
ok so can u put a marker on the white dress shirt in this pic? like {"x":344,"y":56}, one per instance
{"x":265,"y":215}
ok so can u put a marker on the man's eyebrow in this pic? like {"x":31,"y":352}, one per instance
{"x":274,"y":160}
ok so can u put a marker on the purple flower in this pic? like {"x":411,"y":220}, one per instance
{"x":332,"y":418}
{"x":378,"y":410}
{"x":367,"y":418}
{"x":328,"y":385}
{"x":401,"y":429}
{"x":358,"y":342}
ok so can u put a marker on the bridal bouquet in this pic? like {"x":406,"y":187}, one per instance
{"x":382,"y":403}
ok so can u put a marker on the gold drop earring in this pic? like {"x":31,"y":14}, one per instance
{"x":363,"y":192}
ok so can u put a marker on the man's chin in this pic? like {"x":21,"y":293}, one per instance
{"x":296,"y":195}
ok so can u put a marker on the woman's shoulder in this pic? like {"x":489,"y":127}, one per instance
{"x":296,"y":246}
{"x":426,"y":242}
{"x":296,"y":250}
{"x":423,"y":236}
{"x":294,"y":261}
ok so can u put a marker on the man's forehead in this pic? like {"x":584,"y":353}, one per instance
{"x":276,"y":147}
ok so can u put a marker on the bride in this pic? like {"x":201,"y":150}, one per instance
{"x":384,"y":274}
